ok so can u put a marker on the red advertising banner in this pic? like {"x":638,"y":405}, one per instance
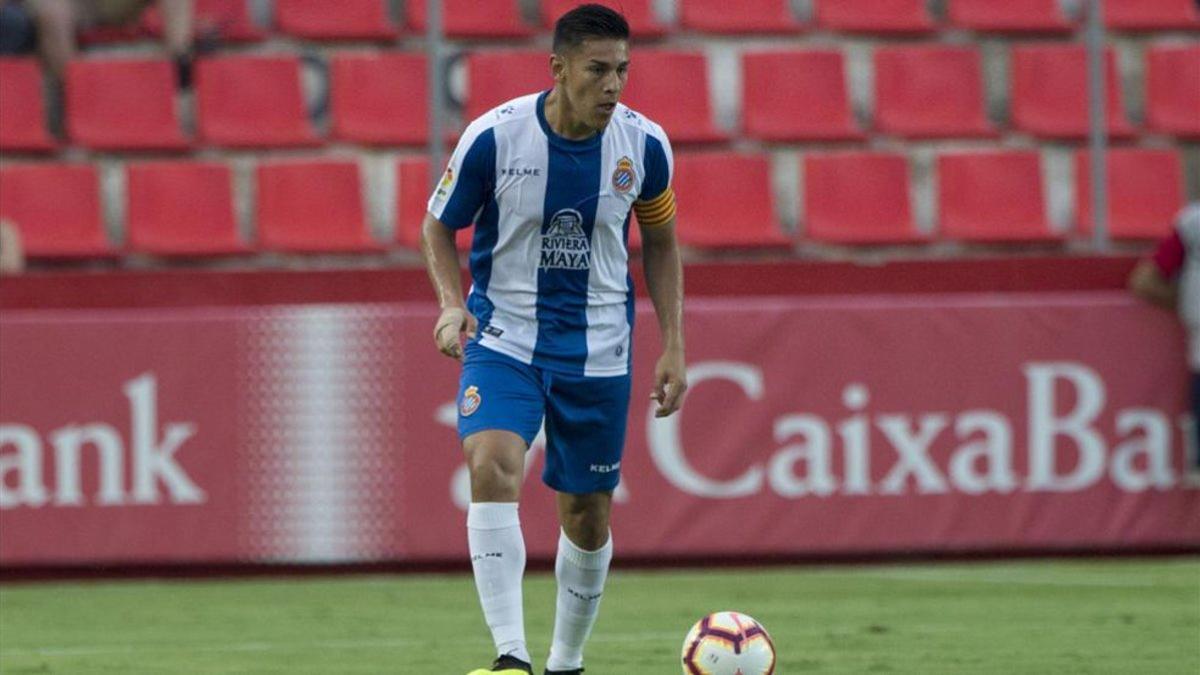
{"x":824,"y":425}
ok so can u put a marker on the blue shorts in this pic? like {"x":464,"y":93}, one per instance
{"x":585,"y":416}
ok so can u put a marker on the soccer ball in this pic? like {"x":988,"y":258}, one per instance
{"x":728,"y":643}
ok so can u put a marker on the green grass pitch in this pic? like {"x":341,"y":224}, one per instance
{"x":1081,"y":616}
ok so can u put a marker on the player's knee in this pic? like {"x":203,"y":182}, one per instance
{"x":493,"y":477}
{"x":496,"y":470}
{"x":55,"y":13}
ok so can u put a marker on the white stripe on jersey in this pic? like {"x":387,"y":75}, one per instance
{"x":513,"y":287}
{"x":609,"y":332}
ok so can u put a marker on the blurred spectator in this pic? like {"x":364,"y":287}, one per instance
{"x":1171,"y":279}
{"x":52,"y":26}
{"x":18,"y":35}
{"x":12,"y":256}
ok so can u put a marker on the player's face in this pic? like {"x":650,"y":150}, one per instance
{"x":592,"y":76}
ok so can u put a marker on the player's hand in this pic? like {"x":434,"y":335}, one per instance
{"x":453,"y":326}
{"x":670,"y":381}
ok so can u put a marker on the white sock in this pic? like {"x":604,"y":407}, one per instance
{"x":581,"y":576}
{"x":498,"y":558}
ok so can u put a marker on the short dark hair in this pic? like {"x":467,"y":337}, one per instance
{"x":588,"y":21}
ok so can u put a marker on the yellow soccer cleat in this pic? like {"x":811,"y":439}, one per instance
{"x":505,"y":665}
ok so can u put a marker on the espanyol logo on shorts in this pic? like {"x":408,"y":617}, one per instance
{"x":623,"y":177}
{"x":470,"y":401}
{"x":565,"y":246}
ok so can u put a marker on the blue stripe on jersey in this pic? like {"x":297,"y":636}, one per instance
{"x":630,"y":297}
{"x":478,"y":186}
{"x":658,"y":174}
{"x":487,"y":232}
{"x":476,"y":180}
{"x":568,"y":219}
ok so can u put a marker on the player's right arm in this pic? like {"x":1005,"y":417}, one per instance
{"x":457,"y":199}
{"x":455,"y":323}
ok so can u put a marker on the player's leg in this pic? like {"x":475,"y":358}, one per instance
{"x":581,"y":568}
{"x":585,"y":518}
{"x":177,"y":37}
{"x":585,"y":436}
{"x":496,"y":461}
{"x":56,"y":24}
{"x":177,"y":26}
{"x":500,"y":412}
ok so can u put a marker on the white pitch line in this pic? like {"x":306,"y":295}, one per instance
{"x":397,"y":643}
{"x":400,"y":643}
{"x":1018,"y":579}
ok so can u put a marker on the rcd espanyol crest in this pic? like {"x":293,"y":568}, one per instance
{"x":565,"y":246}
{"x":470,"y":401}
{"x":623,"y":176}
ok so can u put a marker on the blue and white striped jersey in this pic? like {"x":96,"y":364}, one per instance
{"x":549,"y":257}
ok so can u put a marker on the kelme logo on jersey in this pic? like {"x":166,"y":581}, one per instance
{"x":470,"y":401}
{"x":623,"y":176}
{"x":565,"y":246}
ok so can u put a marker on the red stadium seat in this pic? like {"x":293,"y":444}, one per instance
{"x":1145,"y":191}
{"x":930,"y":92}
{"x":312,"y":207}
{"x":123,"y":104}
{"x":671,"y":88}
{"x":22,"y":109}
{"x":1151,"y":14}
{"x":498,"y":76}
{"x":796,"y":95}
{"x":878,"y":16}
{"x":412,"y":198}
{"x":1011,"y":16}
{"x":252,"y":101}
{"x":379,"y":99}
{"x":1173,"y":89}
{"x":181,"y":208}
{"x":473,"y":19}
{"x":639,"y":13}
{"x":228,"y":20}
{"x":752,"y":16}
{"x":1050,"y":96}
{"x":56,"y":207}
{"x":725,"y":200}
{"x":343,"y":20}
{"x":992,"y":196}
{"x":858,"y":198}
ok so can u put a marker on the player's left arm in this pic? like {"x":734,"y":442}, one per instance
{"x":664,"y":281}
{"x":1149,"y":284}
{"x":1154,"y":279}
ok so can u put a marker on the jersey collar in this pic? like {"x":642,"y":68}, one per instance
{"x":559,"y":142}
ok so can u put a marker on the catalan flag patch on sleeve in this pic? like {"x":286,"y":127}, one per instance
{"x":657,"y":211}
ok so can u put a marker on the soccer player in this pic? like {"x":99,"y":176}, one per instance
{"x":549,"y":181}
{"x":1171,"y":279}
